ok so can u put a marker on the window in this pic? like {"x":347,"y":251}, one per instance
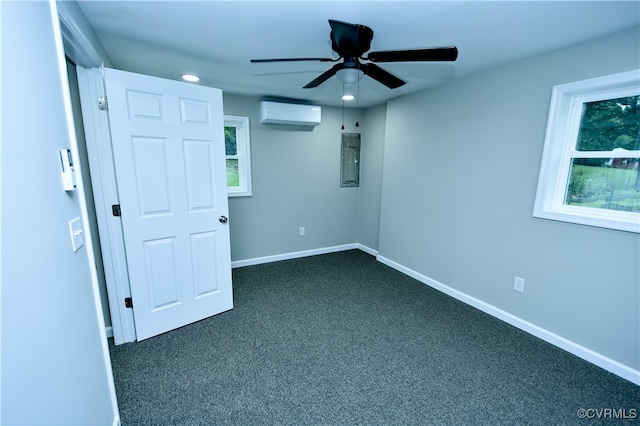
{"x":589,"y":172}
{"x":237,"y":150}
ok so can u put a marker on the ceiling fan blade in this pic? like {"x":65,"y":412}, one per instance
{"x":293,"y":60}
{"x":382,"y":76}
{"x":350,"y":40}
{"x":323,"y":77}
{"x":415,"y":55}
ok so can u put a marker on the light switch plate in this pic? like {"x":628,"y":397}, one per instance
{"x":77,"y":233}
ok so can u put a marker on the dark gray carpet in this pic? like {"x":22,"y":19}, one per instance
{"x":341,"y":339}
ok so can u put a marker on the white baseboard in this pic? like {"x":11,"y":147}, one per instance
{"x":292,"y":255}
{"x":600,"y":360}
{"x":367,"y":250}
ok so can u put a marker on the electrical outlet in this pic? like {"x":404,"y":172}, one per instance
{"x":302,"y":231}
{"x":518,"y":284}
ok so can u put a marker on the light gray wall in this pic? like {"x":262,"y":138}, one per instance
{"x":54,"y":362}
{"x":461,"y":167}
{"x":296,"y":182}
{"x":371,"y":158}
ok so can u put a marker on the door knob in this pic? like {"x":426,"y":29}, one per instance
{"x":223,"y":219}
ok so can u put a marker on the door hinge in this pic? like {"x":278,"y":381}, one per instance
{"x":128,"y":302}
{"x":103,"y":104}
{"x":115,"y":209}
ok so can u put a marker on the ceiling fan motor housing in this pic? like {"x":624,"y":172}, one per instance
{"x":350,"y":40}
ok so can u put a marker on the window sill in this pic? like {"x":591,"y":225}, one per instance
{"x":621,"y":221}
{"x":233,"y":194}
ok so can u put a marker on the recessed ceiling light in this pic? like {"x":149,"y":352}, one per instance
{"x":190,"y":77}
{"x":348,"y":97}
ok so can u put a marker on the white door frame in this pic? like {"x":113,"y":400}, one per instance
{"x":79,"y":46}
{"x":105,"y":192}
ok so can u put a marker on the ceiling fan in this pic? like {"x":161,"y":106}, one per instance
{"x":351,"y":41}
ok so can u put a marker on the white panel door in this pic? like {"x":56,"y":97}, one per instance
{"x":168,"y":150}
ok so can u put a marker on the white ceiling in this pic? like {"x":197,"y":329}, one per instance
{"x":216,"y":39}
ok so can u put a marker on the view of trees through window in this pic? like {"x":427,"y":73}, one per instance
{"x":603,"y":173}
{"x":231,"y":150}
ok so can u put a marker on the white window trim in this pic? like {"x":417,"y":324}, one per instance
{"x":562,"y":129}
{"x":243,"y":145}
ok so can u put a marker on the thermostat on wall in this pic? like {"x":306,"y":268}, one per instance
{"x":68,"y":171}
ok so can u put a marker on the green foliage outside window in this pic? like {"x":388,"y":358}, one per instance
{"x":233,"y":178}
{"x":231,"y":148}
{"x":230,"y":140}
{"x":610,"y":124}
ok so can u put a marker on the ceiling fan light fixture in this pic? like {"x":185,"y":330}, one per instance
{"x":349,"y":75}
{"x":190,"y":78}
{"x":348,"y":97}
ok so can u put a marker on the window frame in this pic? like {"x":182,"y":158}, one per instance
{"x":563,"y":123}
{"x":243,"y":155}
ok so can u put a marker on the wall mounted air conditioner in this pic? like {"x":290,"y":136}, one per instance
{"x":277,"y":113}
